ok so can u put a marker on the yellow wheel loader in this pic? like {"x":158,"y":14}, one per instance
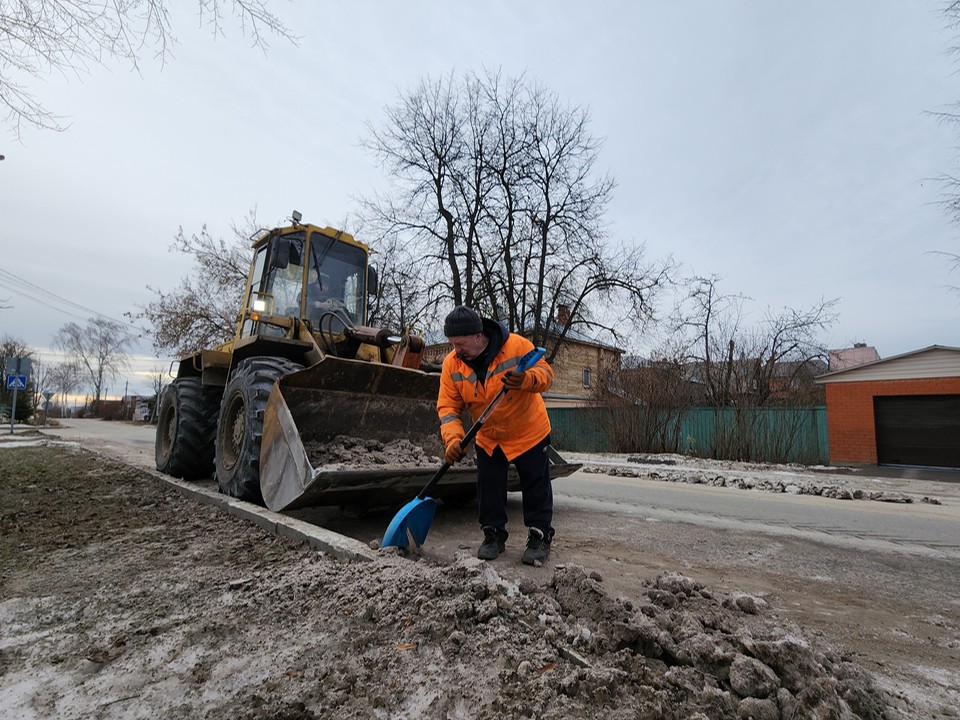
{"x":304,"y":373}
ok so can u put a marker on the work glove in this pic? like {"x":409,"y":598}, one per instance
{"x":519,"y":380}
{"x":454,"y":452}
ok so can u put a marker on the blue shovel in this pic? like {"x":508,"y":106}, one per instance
{"x":414,"y":519}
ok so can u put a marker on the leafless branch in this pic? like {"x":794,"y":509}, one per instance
{"x":69,"y":36}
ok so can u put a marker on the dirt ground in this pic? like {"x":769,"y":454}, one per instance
{"x":122,"y":599}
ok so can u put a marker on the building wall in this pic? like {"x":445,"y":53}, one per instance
{"x":850,"y":420}
{"x":568,"y":367}
{"x":859,"y":354}
{"x":567,"y":389}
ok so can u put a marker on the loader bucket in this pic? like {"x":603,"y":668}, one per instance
{"x":376,"y":403}
{"x":340,"y":397}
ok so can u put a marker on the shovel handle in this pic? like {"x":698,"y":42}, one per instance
{"x":531,"y":358}
{"x":434,"y":480}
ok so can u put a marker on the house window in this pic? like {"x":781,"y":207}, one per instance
{"x":587,"y":377}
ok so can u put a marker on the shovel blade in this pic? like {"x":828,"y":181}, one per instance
{"x":411,"y":523}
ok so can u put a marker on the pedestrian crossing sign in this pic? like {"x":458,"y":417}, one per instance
{"x":16,"y":382}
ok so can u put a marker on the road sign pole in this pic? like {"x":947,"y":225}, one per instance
{"x":18,"y":370}
{"x":47,"y":394}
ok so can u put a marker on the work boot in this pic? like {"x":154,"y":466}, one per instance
{"x":492,"y":545}
{"x":538,"y":548}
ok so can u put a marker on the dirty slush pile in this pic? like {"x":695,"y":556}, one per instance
{"x":796,"y":485}
{"x":461,"y":642}
{"x":348,"y":452}
{"x":122,"y":599}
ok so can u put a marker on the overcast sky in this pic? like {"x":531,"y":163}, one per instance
{"x":784,"y":146}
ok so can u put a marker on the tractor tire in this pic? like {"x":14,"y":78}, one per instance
{"x":240,"y":427}
{"x":186,"y":429}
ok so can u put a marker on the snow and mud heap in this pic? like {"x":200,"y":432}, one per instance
{"x":762,"y":477}
{"x":348,"y":452}
{"x":122,"y":599}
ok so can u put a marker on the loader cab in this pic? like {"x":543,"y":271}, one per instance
{"x":319,"y":275}
{"x":335,"y":281}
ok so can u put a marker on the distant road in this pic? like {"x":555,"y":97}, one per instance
{"x":132,"y":443}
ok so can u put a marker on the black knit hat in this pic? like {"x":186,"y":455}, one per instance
{"x":462,"y":321}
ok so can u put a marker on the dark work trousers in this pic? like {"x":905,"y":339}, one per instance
{"x":533,"y":467}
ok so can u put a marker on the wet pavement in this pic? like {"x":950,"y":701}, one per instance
{"x":906,"y":472}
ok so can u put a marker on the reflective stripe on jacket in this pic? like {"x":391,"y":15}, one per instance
{"x":520,"y":420}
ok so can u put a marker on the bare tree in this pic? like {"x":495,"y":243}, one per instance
{"x":12,"y":348}
{"x":422,"y":145}
{"x":98,"y":349}
{"x":64,"y":381}
{"x":496,"y":191}
{"x":710,"y":321}
{"x":643,"y":404}
{"x":952,"y":259}
{"x":40,"y":373}
{"x":158,"y":377}
{"x":744,"y":366}
{"x":405,"y":298}
{"x":741,"y":364}
{"x":69,"y":36}
{"x":950,"y":198}
{"x":203,"y":310}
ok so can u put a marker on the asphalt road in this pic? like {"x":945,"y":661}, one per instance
{"x":920,"y":528}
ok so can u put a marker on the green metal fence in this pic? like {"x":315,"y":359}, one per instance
{"x":770,"y":434}
{"x":579,"y":429}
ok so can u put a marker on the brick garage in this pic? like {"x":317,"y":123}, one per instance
{"x":904,"y":410}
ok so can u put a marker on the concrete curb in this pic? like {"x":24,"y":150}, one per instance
{"x":335,"y":544}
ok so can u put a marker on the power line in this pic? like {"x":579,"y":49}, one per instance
{"x":46,"y":304}
{"x":16,"y":284}
{"x":32,"y":290}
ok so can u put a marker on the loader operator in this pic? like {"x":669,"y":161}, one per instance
{"x":319,"y":295}
{"x":517,"y":432}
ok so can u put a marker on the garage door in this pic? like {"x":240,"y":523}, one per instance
{"x":918,"y":430}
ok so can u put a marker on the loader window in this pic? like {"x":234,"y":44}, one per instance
{"x":256,"y":275}
{"x":277,"y":281}
{"x":283,"y":280}
{"x":285,"y":286}
{"x":335,"y":279}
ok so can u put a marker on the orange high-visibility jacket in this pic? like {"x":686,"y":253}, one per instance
{"x":520,"y":420}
